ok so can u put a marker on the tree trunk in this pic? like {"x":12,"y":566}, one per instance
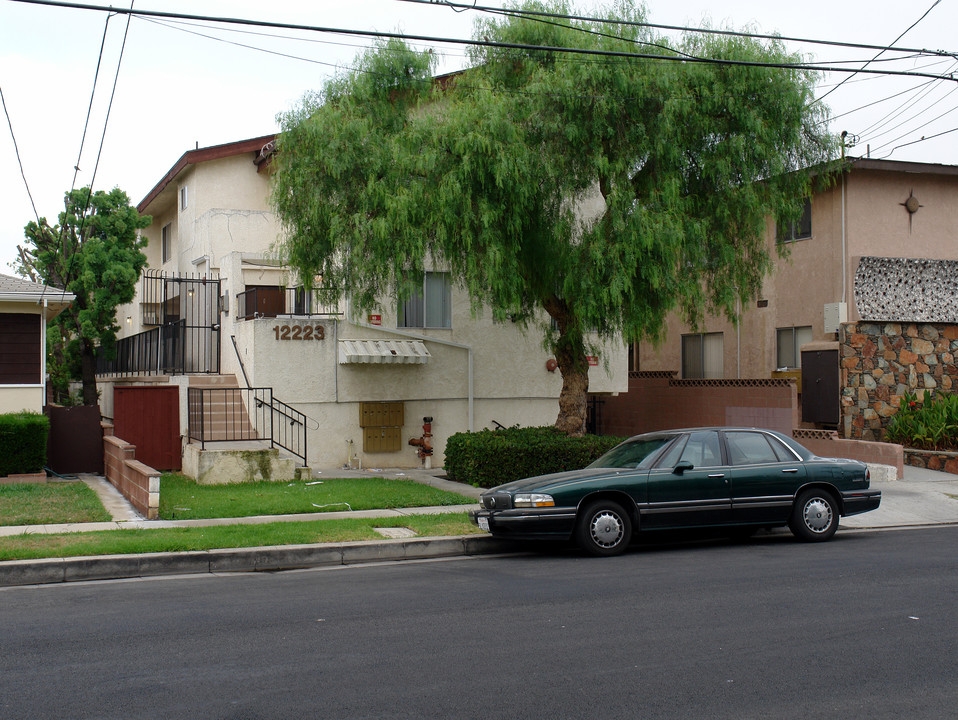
{"x":574,"y":367}
{"x":88,"y":373}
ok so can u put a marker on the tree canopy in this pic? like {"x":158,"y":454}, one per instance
{"x":604,"y":190}
{"x":95,"y":253}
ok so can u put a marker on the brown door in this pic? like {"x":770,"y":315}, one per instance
{"x":149,"y":418}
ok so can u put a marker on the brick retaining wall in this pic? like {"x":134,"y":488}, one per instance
{"x":138,"y":483}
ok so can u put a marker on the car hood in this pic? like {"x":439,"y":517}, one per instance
{"x":553,"y":480}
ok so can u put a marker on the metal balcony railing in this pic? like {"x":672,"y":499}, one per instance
{"x":265,"y":301}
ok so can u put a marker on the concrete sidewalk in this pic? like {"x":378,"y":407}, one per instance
{"x":922,"y":498}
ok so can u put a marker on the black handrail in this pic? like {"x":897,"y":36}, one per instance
{"x":232,"y":414}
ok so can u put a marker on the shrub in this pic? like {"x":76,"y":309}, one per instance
{"x":23,"y":442}
{"x":493,"y":457}
{"x":928,"y":425}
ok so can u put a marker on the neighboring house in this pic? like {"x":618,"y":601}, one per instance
{"x":215,"y":302}
{"x":875,"y":209}
{"x":25,"y":310}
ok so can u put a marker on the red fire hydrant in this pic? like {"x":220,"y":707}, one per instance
{"x":424,"y":443}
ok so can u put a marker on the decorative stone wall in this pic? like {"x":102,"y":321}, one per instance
{"x":880,"y":362}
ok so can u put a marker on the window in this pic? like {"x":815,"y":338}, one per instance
{"x":750,"y":448}
{"x":703,"y":356}
{"x":183,"y":198}
{"x":432,"y":308}
{"x":789,"y":342}
{"x":789,"y":231}
{"x":166,"y":239}
{"x":20,"y":360}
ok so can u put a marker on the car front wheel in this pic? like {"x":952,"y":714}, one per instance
{"x":604,"y":528}
{"x":815,"y":516}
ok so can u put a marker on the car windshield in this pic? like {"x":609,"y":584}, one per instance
{"x":631,"y":453}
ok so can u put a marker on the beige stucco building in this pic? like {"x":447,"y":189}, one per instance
{"x":244,"y":316}
{"x":875,"y":209}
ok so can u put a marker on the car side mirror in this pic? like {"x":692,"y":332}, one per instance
{"x":682,"y":466}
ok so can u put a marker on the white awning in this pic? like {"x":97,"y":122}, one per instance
{"x":383,"y":351}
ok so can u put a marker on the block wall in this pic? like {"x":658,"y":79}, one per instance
{"x":138,"y":483}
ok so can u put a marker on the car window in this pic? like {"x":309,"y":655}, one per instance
{"x":702,"y":449}
{"x":670,"y":458}
{"x":782,"y":452}
{"x":748,"y":448}
{"x":631,"y":453}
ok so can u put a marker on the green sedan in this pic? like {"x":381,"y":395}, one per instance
{"x":741,"y":478}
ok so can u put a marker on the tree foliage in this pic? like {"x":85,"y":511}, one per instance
{"x":95,"y":253}
{"x":605,"y":190}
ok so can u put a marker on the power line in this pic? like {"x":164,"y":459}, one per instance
{"x":16,"y":150}
{"x":460,"y":7}
{"x":478,"y":43}
{"x":920,"y":140}
{"x":924,"y":15}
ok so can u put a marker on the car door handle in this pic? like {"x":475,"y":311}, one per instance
{"x":716,"y":475}
{"x":791,"y":470}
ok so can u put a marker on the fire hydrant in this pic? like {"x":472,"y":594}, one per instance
{"x":424,"y":443}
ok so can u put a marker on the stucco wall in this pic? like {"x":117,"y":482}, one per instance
{"x":16,"y":398}
{"x":880,"y":362}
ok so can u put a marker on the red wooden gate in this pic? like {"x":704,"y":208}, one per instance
{"x":149,"y":418}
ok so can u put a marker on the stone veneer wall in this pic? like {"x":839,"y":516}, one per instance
{"x":881,"y":361}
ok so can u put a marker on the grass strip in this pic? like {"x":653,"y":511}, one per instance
{"x":121,"y":542}
{"x":46,"y":503}
{"x":181,"y":498}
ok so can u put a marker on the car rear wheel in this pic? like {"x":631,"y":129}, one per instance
{"x":814,"y":516}
{"x":604,"y":528}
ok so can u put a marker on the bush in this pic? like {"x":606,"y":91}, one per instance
{"x":493,"y":457}
{"x":928,"y":425}
{"x":23,"y":442}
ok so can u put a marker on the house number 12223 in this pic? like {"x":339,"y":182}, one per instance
{"x":299,"y":332}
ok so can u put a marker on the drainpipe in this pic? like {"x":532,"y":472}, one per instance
{"x":426,"y":338}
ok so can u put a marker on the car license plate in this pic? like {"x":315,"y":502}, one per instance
{"x":483,"y":523}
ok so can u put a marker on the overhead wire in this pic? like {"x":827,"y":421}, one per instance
{"x":907,"y":30}
{"x":473,"y":42}
{"x":679,"y":28}
{"x":16,"y":150}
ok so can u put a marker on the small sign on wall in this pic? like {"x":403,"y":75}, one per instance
{"x":375,"y":319}
{"x":593,"y":360}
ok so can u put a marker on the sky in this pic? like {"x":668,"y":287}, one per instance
{"x":182,"y":86}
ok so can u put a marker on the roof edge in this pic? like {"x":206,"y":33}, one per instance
{"x":193,"y":157}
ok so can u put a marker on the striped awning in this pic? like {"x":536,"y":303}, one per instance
{"x":410,"y":352}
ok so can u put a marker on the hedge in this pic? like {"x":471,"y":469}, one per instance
{"x":492,"y":457}
{"x":23,"y":442}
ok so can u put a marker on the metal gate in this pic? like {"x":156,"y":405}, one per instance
{"x":188,"y":310}
{"x":149,"y":418}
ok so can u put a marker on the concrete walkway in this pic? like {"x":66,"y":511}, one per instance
{"x":922,"y":498}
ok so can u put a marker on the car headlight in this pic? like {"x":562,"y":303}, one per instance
{"x":533,"y":500}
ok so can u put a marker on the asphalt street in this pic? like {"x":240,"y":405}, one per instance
{"x":692,"y":627}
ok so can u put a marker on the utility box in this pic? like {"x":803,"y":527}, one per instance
{"x":821,"y":381}
{"x":382,"y":426}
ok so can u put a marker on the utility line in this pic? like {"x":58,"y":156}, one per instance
{"x":16,"y":150}
{"x":907,"y":30}
{"x":920,"y":140}
{"x":477,"y":43}
{"x":459,"y":7}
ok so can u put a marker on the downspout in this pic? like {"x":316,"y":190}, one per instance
{"x":844,"y":251}
{"x":43,"y":352}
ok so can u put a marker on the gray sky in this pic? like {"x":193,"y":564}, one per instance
{"x":178,"y":86}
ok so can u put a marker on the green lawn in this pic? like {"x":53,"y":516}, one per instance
{"x":55,"y":502}
{"x":118,"y":542}
{"x":182,"y":499}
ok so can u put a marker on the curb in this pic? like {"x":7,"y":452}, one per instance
{"x":229,"y":560}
